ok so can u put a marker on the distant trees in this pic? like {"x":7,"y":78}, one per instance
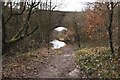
{"x":94,"y":25}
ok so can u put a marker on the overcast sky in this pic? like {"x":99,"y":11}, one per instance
{"x":71,"y":5}
{"x":78,"y":5}
{"x":74,"y":5}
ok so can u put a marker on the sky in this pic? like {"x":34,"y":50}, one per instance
{"x":74,"y":5}
{"x":67,"y":5}
{"x":71,"y":5}
{"x":79,"y":5}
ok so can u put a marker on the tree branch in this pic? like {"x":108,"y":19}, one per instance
{"x":13,"y":14}
{"x":36,"y":4}
{"x":115,"y":5}
{"x":12,"y":41}
{"x":21,"y":11}
{"x":10,"y":16}
{"x":32,"y":31}
{"x":25,"y":26}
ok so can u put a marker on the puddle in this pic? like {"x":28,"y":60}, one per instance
{"x":67,"y":55}
{"x":57,"y":44}
{"x":74,"y":73}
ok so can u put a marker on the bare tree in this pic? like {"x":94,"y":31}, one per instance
{"x":23,"y":31}
{"x":110,"y":6}
{"x":108,"y":9}
{"x":27,"y":9}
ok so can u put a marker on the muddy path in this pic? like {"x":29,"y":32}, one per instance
{"x":60,"y":65}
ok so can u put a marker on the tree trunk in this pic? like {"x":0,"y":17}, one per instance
{"x":119,"y":29}
{"x":77,"y":37}
{"x":110,"y":27}
{"x":3,"y":35}
{"x":1,"y":27}
{"x":76,"y":32}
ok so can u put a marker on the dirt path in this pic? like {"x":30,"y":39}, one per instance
{"x":54,"y":66}
{"x":60,"y":65}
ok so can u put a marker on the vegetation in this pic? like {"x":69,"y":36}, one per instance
{"x":97,"y":62}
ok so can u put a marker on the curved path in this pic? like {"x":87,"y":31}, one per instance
{"x":59,"y":65}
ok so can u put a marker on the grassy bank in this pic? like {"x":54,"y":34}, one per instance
{"x":97,"y":62}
